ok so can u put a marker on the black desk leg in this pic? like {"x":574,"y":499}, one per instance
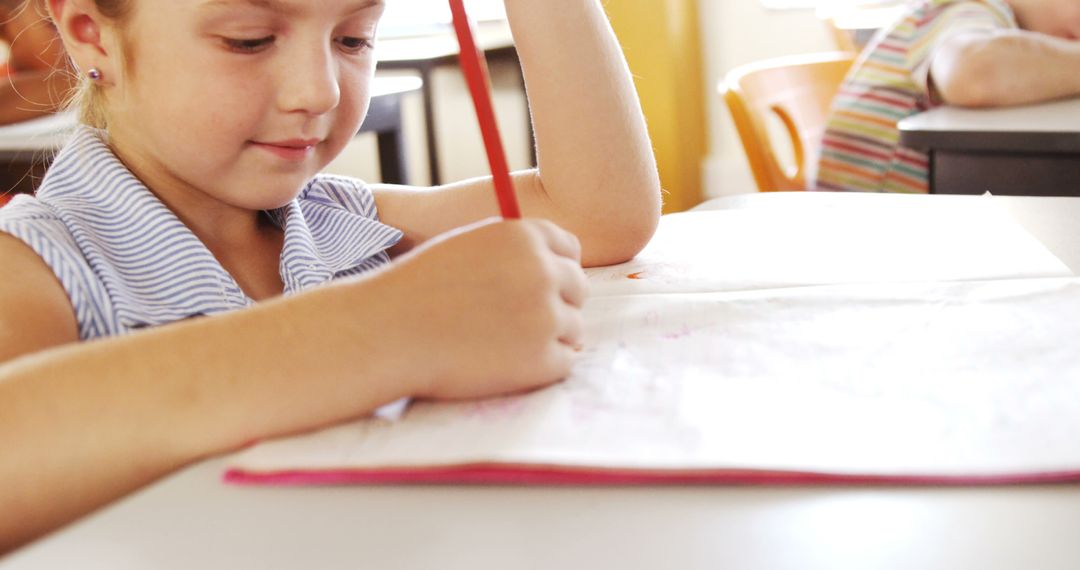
{"x":384,"y":119}
{"x":429,"y":125}
{"x":392,"y":163}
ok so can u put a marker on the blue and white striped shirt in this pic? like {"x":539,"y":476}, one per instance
{"x":127,"y":262}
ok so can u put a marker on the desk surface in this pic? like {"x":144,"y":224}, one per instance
{"x":42,"y":134}
{"x":1050,"y":219}
{"x":407,"y":52}
{"x":191,"y":520}
{"x":1047,"y":127}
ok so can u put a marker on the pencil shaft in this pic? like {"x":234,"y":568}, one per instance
{"x":474,"y":66}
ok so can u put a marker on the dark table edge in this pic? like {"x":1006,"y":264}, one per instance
{"x":1012,"y":142}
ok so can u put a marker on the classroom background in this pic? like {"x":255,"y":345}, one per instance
{"x":878,"y":393}
{"x":678,"y":50}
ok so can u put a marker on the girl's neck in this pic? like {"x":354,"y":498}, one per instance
{"x":246,"y":242}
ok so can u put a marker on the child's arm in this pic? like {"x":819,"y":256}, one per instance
{"x":490,"y":309}
{"x":597,"y":174}
{"x":1005,"y":67}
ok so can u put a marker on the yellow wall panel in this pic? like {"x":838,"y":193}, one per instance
{"x":662,"y":45}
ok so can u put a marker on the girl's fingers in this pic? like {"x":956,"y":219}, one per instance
{"x":571,"y":331}
{"x":573,"y":287}
{"x":560,"y":359}
{"x":560,"y":241}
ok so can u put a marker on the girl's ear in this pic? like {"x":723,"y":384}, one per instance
{"x":81,"y":28}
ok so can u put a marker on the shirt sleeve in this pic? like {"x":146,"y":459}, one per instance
{"x":33,"y":224}
{"x":345,"y":226}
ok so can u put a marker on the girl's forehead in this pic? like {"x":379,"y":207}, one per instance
{"x":290,"y":6}
{"x":165,"y":10}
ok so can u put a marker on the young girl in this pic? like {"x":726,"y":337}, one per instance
{"x":197,"y":195}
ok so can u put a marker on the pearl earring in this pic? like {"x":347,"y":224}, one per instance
{"x":94,"y":74}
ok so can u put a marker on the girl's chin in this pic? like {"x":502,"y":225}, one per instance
{"x":270,"y":198}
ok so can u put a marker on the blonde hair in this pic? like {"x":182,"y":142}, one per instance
{"x":87,"y":97}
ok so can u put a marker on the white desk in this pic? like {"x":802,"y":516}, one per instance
{"x":22,"y":141}
{"x":1032,"y":150}
{"x":1050,"y":219}
{"x":191,"y":520}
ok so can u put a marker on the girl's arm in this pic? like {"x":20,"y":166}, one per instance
{"x":597,"y":174}
{"x":1005,"y":67}
{"x":491,"y":309}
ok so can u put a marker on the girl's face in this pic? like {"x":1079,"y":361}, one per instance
{"x":241,"y":101}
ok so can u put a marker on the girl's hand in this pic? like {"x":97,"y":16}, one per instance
{"x":490,"y":308}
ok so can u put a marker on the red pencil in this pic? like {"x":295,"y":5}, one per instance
{"x":475,"y":68}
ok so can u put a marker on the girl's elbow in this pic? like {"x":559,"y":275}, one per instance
{"x":621,"y":240}
{"x":640,"y":226}
{"x":637,"y":241}
{"x":974,"y":80}
{"x":970,"y":91}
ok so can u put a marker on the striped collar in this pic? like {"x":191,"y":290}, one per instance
{"x":165,"y":268}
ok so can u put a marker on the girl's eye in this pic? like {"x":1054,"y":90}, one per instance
{"x":254,"y":45}
{"x":354,"y":45}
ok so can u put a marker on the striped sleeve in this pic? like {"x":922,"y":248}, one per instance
{"x":350,"y":193}
{"x":345,"y":226}
{"x":31,"y":223}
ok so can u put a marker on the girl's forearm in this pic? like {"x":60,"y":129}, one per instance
{"x":136,"y":408}
{"x":595,"y":160}
{"x":1010,"y":67}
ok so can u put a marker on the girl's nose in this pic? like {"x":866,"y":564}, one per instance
{"x":310,"y":84}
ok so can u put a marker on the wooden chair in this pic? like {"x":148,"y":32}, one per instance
{"x":797,"y":90}
{"x":844,"y":39}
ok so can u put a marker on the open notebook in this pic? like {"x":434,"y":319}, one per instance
{"x":924,"y":344}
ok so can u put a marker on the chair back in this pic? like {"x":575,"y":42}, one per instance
{"x":797,"y":90}
{"x":843,"y":39}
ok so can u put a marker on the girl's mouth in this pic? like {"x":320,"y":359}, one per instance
{"x":292,"y":150}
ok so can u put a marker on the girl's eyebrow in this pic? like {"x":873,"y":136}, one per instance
{"x":284,"y":7}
